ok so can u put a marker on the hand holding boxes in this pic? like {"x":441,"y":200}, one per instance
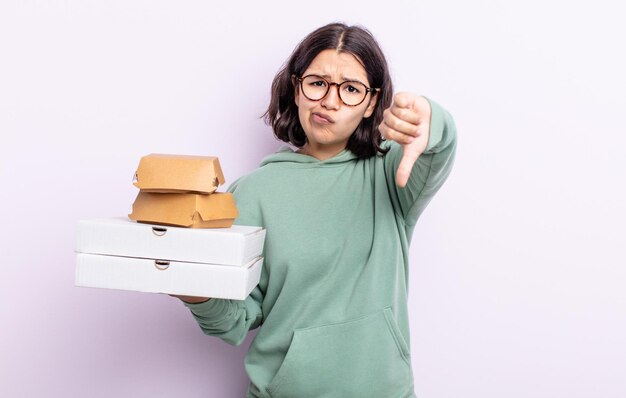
{"x":158,"y":254}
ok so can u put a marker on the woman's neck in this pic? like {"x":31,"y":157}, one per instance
{"x":321,"y":152}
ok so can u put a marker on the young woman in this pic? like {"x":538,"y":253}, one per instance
{"x":339,"y":213}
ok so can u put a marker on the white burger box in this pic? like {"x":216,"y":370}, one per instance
{"x":117,"y":253}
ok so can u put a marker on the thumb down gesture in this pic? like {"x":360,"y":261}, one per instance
{"x":407,"y":122}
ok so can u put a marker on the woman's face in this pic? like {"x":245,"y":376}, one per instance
{"x":328,"y":123}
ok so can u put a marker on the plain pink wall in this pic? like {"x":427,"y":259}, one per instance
{"x":517,"y":265}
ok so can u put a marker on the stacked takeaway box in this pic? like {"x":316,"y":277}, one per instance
{"x":180,"y":190}
{"x":183,"y":241}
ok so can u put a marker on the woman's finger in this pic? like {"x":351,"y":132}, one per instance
{"x":398,"y":124}
{"x":394,"y":135}
{"x":409,"y":115}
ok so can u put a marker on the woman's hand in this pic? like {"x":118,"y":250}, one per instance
{"x":191,"y":299}
{"x":407,"y":122}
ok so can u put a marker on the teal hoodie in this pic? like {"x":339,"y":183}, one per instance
{"x":332,"y":300}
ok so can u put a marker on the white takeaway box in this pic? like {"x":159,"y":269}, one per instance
{"x":172,"y":277}
{"x":237,"y":245}
{"x":122,"y":254}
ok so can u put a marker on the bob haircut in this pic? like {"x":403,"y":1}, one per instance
{"x":282,"y":112}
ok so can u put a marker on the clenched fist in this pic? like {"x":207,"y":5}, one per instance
{"x":407,"y":122}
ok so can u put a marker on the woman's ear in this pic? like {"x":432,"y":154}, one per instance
{"x":371,"y":106}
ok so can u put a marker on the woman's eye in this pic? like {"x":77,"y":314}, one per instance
{"x":352,"y":89}
{"x":319,"y":83}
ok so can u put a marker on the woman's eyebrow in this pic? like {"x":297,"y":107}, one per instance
{"x":343,"y":78}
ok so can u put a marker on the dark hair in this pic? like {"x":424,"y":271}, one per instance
{"x":282,"y":112}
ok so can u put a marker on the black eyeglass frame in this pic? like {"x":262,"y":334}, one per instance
{"x":329,"y":84}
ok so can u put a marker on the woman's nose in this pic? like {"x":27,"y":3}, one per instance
{"x":331,"y":100}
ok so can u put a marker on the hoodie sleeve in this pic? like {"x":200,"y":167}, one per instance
{"x":429,"y":171}
{"x":230,"y":320}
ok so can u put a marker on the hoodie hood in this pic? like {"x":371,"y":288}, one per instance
{"x":288,"y":155}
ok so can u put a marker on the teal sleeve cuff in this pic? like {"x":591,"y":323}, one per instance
{"x":211,"y":309}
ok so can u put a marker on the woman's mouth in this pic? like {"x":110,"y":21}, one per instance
{"x":322,"y":118}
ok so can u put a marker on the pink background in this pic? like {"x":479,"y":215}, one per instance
{"x":518,"y":268}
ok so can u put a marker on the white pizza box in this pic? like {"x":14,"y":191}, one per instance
{"x":171,"y":277}
{"x":236,"y":245}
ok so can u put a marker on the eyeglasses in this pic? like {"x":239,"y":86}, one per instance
{"x":351,"y":93}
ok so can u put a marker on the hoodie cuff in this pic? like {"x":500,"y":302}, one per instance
{"x":211,"y":308}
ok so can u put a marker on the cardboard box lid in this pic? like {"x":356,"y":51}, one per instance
{"x":120,"y":236}
{"x":178,"y":173}
{"x":185,"y":209}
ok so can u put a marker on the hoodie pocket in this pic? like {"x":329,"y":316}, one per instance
{"x":363,"y":357}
